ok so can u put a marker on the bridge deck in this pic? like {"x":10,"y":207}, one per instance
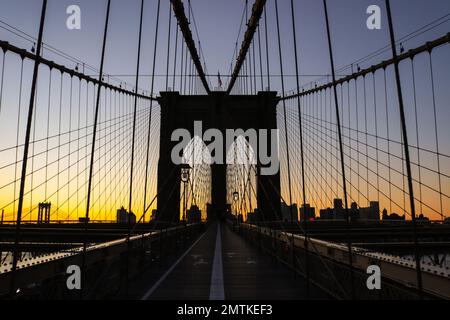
{"x":246,"y":272}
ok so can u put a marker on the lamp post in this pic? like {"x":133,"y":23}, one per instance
{"x":235,"y":200}
{"x":185,"y":171}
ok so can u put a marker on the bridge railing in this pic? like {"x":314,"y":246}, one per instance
{"x":110,"y":267}
{"x":328,"y":266}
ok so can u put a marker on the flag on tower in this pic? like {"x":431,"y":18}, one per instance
{"x":219,"y":80}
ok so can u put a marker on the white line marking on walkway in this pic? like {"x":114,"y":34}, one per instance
{"x":156,"y":285}
{"x":217,"y":291}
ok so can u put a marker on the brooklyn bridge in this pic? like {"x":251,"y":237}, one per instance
{"x":314,"y":164}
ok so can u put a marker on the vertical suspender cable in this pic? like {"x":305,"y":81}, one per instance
{"x":2,"y":80}
{"x":267,"y":48}
{"x":94,"y":136}
{"x":134,"y":116}
{"x":248,"y":58}
{"x":151,"y":108}
{"x":17,"y":133}
{"x":59,"y":144}
{"x":133,"y":139}
{"x":254,"y":68}
{"x":300,"y":126}
{"x":175,"y":58}
{"x":438,"y":160}
{"x":181,"y":67}
{"x":188,"y":73}
{"x":406,"y":149}
{"x":48,"y":134}
{"x":168,"y":46}
{"x":26,"y":148}
{"x":260,"y":58}
{"x":338,"y":122}
{"x":186,"y":57}
{"x":284,"y":113}
{"x":388,"y":136}
{"x":70,"y":133}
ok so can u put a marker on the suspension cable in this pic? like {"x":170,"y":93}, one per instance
{"x":406,"y":150}
{"x":305,"y":213}
{"x":168,"y":46}
{"x":26,"y":148}
{"x":338,"y":123}
{"x":284,"y":110}
{"x":151,"y":104}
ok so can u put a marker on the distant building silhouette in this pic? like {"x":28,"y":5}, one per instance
{"x":326,"y":214}
{"x":335,"y":213}
{"x":253,"y":217}
{"x":194,"y":214}
{"x":371,"y":213}
{"x":392,"y":217}
{"x":307,"y":212}
{"x":354,"y":211}
{"x":287,"y":211}
{"x":338,"y":210}
{"x":422,"y":218}
{"x":122,"y":216}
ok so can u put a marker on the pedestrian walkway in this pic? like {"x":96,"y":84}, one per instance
{"x":222,"y":265}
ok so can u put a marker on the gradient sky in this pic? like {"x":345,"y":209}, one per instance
{"x":218,"y":24}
